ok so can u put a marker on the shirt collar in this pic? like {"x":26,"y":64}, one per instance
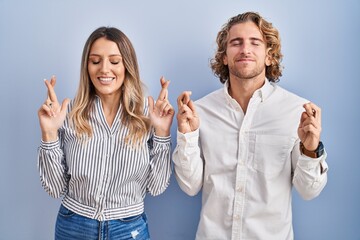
{"x":229,"y":100}
{"x":263,"y":92}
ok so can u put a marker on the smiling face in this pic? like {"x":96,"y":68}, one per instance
{"x":106,"y":68}
{"x":246,"y":51}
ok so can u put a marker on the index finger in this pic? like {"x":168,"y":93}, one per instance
{"x":164,"y":88}
{"x":50,"y":86}
{"x":184,"y":98}
{"x":312,"y":109}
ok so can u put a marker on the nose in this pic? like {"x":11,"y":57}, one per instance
{"x":104,"y":67}
{"x":245,"y":48}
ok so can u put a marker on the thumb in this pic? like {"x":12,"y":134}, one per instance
{"x":151,"y":103}
{"x":64,"y":105}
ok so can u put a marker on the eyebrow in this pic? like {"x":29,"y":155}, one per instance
{"x":240,"y":39}
{"x":98,"y":55}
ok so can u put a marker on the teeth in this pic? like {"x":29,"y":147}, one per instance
{"x":106,"y":79}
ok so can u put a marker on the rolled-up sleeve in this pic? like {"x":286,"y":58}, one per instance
{"x":310,"y":175}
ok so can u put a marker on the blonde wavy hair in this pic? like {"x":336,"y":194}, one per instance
{"x":272,"y":40}
{"x":132,"y":93}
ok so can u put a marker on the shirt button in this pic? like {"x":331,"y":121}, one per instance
{"x":239,"y":189}
{"x":236,"y":217}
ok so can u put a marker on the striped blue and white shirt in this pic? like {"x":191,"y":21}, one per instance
{"x":102,"y":177}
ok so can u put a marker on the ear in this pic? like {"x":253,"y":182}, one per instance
{"x":268,"y":58}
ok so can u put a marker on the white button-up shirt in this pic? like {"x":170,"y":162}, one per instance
{"x":246,"y":164}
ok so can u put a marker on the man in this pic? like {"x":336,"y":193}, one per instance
{"x":247,"y":144}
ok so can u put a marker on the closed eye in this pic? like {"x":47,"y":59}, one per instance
{"x":115,"y":60}
{"x":256,"y":42}
{"x":94,"y":60}
{"x":235,"y":43}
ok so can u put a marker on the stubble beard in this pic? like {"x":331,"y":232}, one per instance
{"x":244,"y":74}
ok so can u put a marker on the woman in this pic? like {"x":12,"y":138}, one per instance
{"x":108,"y":147}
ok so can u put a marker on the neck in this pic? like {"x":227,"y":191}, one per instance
{"x":110,"y":105}
{"x":243,"y":89}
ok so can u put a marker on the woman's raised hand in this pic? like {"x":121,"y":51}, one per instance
{"x":161,"y":113}
{"x":51,"y":114}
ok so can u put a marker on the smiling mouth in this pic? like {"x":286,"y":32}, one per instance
{"x":244,"y":60}
{"x":106,"y":79}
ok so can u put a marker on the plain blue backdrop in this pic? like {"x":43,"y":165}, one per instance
{"x":176,"y":39}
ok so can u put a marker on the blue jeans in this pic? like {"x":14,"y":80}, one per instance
{"x":70,"y":225}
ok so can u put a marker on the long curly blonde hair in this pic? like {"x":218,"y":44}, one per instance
{"x":132,"y":95}
{"x":271,"y":37}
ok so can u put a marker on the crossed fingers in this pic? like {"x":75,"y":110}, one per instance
{"x":51,"y":102}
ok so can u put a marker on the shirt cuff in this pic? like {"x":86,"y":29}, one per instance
{"x":50,"y":145}
{"x":190,"y":138}
{"x":163,"y":140}
{"x":306,"y":162}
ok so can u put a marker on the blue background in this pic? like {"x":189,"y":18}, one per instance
{"x":176,"y":39}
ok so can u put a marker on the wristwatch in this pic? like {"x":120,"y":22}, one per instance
{"x":318,"y":152}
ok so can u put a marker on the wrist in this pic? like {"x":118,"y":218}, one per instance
{"x":49,"y":136}
{"x":162,"y":133}
{"x":183,"y":128}
{"x":318,"y":152}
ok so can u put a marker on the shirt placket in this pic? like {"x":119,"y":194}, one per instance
{"x":241,"y":169}
{"x":104,"y":178}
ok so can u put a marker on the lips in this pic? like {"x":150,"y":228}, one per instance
{"x":106,"y":79}
{"x":244,"y":60}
